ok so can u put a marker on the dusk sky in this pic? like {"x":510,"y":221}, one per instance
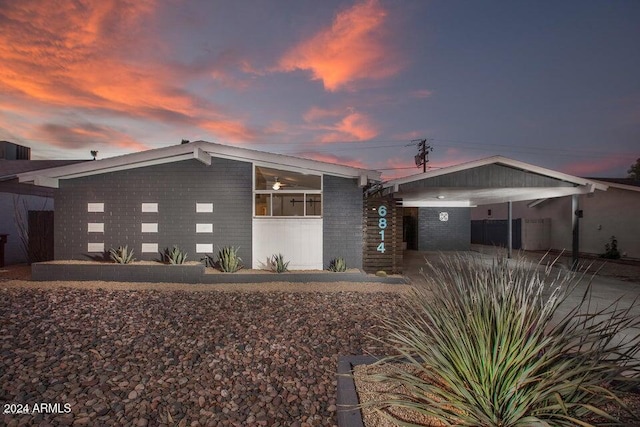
{"x":553,"y":83}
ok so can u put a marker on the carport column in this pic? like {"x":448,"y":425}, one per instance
{"x":575,"y":224}
{"x":509,"y":228}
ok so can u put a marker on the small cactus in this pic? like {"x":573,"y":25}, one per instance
{"x":278,"y":264}
{"x":175,"y":255}
{"x":338,"y":265}
{"x":228,"y":259}
{"x":122,"y":255}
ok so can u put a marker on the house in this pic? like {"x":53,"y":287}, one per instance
{"x":17,"y":200}
{"x":203,"y":196}
{"x":604,"y":214}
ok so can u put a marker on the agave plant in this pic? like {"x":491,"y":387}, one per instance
{"x":338,"y":265}
{"x":175,"y":255}
{"x":486,"y":350}
{"x":278,"y":264}
{"x":228,"y":259}
{"x":122,"y":255}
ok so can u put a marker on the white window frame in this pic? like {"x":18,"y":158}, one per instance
{"x":303,"y":192}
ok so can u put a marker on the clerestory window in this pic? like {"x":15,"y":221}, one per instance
{"x":282,"y":193}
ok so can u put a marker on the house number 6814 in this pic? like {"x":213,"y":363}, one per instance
{"x":382,"y":225}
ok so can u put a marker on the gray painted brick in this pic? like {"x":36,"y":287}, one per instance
{"x":451,"y":235}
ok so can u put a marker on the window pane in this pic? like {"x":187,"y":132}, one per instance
{"x":314,"y":204}
{"x":262,"y":205}
{"x":288,"y":204}
{"x":266,"y":178}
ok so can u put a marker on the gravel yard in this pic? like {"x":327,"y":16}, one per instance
{"x":167,"y":354}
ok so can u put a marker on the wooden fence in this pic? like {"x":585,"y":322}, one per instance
{"x":382,"y":235}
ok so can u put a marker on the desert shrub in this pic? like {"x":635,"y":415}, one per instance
{"x":122,"y":255}
{"x":278,"y":263}
{"x":489,"y":352}
{"x":338,"y":265}
{"x":175,"y":255}
{"x":228,"y":259}
{"x":611,"y":249}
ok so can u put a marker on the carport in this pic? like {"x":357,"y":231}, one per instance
{"x":439,"y":201}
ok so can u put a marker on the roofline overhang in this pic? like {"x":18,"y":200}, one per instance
{"x":202,"y":151}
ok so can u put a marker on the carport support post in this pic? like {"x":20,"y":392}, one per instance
{"x":575,"y":223}
{"x":509,"y":228}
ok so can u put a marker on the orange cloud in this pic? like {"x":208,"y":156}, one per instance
{"x":95,"y":55}
{"x":86,"y":135}
{"x":352,"y":48}
{"x":341,"y":125}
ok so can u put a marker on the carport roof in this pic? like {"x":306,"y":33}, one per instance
{"x":494,"y":179}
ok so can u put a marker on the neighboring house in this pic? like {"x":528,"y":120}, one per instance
{"x":17,"y":199}
{"x":203,"y":196}
{"x":604,"y":214}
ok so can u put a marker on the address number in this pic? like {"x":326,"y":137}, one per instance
{"x":382,"y":225}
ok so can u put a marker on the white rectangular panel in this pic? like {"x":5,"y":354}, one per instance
{"x":95,"y":227}
{"x":149,"y":227}
{"x":149,"y":247}
{"x":95,"y":247}
{"x":204,"y":228}
{"x":95,"y":207}
{"x":149,"y":207}
{"x":204,"y":248}
{"x":204,"y":207}
{"x":298,"y":239}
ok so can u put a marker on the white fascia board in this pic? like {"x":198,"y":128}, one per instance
{"x":202,"y":156}
{"x":131,"y":166}
{"x":44,"y":181}
{"x":436,"y":204}
{"x":617,"y":185}
{"x":273,"y":160}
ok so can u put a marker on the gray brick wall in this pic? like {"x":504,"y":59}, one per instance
{"x":176,"y":187}
{"x":451,"y":235}
{"x":342,"y":221}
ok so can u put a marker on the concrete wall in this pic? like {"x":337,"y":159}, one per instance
{"x":451,"y":235}
{"x":342,"y":221}
{"x":606,"y":213}
{"x":176,"y":188}
{"x":14,"y":252}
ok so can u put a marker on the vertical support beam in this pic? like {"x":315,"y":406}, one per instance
{"x":509,"y":228}
{"x":575,"y":226}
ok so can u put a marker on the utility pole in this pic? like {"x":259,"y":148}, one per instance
{"x":422,"y":158}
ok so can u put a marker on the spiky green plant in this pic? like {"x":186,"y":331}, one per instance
{"x":278,"y":264}
{"x":338,"y":265}
{"x":489,"y":352}
{"x":228,"y":259}
{"x":122,"y":255}
{"x":175,"y":255}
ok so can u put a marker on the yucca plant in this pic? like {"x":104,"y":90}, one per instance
{"x":228,"y":259}
{"x":278,"y":264}
{"x":122,"y":255}
{"x":338,"y":265}
{"x":175,"y":255}
{"x":487,"y":350}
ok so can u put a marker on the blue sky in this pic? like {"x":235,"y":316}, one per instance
{"x":551,"y":83}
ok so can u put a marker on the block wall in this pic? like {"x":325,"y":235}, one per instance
{"x":342,"y":221}
{"x":454,"y":234}
{"x":176,"y":188}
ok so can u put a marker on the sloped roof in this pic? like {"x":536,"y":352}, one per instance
{"x":621,"y":183}
{"x":199,"y":150}
{"x":9,"y":169}
{"x":494,"y":179}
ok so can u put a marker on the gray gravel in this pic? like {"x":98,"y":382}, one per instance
{"x":149,"y":357}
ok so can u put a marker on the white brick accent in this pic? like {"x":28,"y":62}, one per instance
{"x":95,"y":247}
{"x":204,"y":207}
{"x":95,"y":207}
{"x":149,"y":247}
{"x":149,"y":207}
{"x":204,"y":228}
{"x":95,"y":227}
{"x":204,"y":248}
{"x":149,"y":227}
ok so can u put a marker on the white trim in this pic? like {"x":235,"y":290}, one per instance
{"x":95,"y":227}
{"x":617,"y":185}
{"x":95,"y":207}
{"x":45,"y":181}
{"x":149,"y":227}
{"x":202,"y":156}
{"x":435,"y":204}
{"x":190,"y":151}
{"x":149,"y":248}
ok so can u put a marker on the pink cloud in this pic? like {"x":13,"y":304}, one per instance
{"x":421,"y":93}
{"x":340,"y":125}
{"x":352,"y":48}
{"x":597,"y":167}
{"x":331,"y":158}
{"x":95,"y":56}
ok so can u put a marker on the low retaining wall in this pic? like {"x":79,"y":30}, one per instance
{"x":190,"y":273}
